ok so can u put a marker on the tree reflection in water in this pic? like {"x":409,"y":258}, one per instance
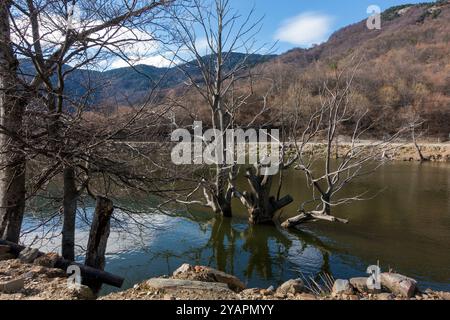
{"x":263,"y":252}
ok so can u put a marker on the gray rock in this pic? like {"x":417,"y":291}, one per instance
{"x":175,"y":284}
{"x":183,"y":269}
{"x":28,"y":255}
{"x":292,"y":286}
{"x":341,"y":286}
{"x":398,"y":284}
{"x":12,"y":286}
{"x":207,"y":274}
{"x":360,"y":284}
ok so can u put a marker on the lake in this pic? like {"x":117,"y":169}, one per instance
{"x":404,"y":227}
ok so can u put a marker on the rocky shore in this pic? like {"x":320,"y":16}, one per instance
{"x":27,"y":277}
{"x":205,"y":283}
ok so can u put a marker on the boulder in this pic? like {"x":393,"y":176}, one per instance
{"x":360,"y":284}
{"x":12,"y":286}
{"x":292,"y":286}
{"x":177,"y":284}
{"x":183,"y":269}
{"x":398,"y":284}
{"x":28,"y":255}
{"x":207,"y":274}
{"x":341,"y":286}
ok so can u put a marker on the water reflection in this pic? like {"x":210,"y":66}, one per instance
{"x":407,"y":228}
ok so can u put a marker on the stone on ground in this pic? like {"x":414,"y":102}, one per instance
{"x":341,"y":286}
{"x":292,"y":286}
{"x":6,"y":256}
{"x":398,"y":284}
{"x":360,"y":284}
{"x":12,"y":285}
{"x":385,"y":296}
{"x":28,"y":255}
{"x":207,"y":274}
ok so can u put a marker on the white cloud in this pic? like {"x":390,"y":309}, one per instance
{"x":156,"y":61}
{"x":305,"y":29}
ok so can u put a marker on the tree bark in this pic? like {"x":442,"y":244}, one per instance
{"x":260,"y":204}
{"x":12,"y":160}
{"x":98,"y":238}
{"x":70,"y":199}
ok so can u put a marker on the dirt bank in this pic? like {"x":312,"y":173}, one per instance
{"x":437,"y":152}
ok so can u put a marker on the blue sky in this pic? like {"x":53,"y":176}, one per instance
{"x":286,"y":24}
{"x":317,"y":19}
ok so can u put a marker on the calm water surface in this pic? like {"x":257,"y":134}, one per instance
{"x":406,"y":227}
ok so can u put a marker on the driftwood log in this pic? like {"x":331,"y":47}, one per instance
{"x":87,"y":272}
{"x":310,"y":216}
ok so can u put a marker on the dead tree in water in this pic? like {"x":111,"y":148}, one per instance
{"x":328,"y":177}
{"x":212,"y":70}
{"x":260,"y":204}
{"x":98,"y":238}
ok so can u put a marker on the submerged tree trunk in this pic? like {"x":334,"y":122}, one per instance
{"x":12,"y":160}
{"x":98,"y":238}
{"x":69,"y":210}
{"x":260,"y":204}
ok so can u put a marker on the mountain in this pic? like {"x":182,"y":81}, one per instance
{"x":133,"y":84}
{"x":403,"y":69}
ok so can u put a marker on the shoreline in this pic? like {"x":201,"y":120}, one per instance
{"x":39,"y":280}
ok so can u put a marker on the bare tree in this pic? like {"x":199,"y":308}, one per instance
{"x":328,"y":177}
{"x":210,"y":34}
{"x":12,"y":164}
{"x":57,"y":44}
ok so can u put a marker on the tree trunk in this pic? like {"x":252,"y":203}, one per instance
{"x":98,"y":238}
{"x":260,"y":205}
{"x":70,"y":212}
{"x":12,"y":160}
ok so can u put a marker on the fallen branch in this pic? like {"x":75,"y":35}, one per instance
{"x":310,"y":216}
